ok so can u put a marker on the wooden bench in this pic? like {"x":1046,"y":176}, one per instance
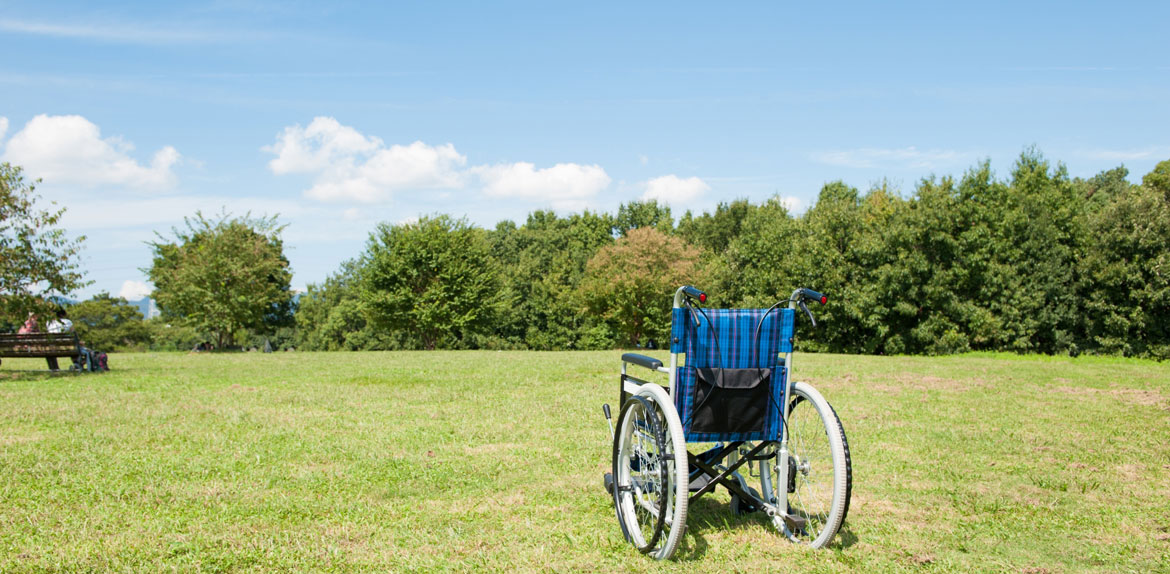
{"x":34,"y":345}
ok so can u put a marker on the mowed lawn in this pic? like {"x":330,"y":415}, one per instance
{"x":492,"y":461}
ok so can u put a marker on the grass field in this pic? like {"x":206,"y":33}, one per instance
{"x":485,"y":461}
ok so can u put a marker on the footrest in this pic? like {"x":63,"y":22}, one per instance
{"x":699,"y":482}
{"x":793,"y":522}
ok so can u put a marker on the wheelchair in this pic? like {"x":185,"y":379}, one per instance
{"x":729,"y":389}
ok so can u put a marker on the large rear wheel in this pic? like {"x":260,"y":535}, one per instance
{"x":650,"y":473}
{"x":816,"y":481}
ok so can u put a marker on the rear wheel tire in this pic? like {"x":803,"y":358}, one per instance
{"x":650,"y":473}
{"x":816,"y":481}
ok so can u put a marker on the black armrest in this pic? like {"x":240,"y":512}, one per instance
{"x":642,"y":361}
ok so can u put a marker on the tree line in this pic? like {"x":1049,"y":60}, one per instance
{"x":1034,"y":262}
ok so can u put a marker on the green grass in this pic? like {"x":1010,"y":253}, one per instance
{"x":485,"y":461}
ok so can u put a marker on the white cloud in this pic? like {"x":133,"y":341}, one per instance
{"x":3,"y":127}
{"x":352,"y":166}
{"x":318,"y":147}
{"x":134,"y":290}
{"x":792,"y":204}
{"x":675,"y":190}
{"x":70,"y":149}
{"x":896,"y":158}
{"x":564,"y":185}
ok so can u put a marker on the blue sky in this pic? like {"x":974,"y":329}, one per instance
{"x":340,"y":116}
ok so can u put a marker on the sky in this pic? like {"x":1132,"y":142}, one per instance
{"x":336,"y":117}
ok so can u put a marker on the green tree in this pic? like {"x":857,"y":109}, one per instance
{"x":631,"y":283}
{"x":109,"y":323}
{"x":433,"y":279}
{"x":1158,"y":180}
{"x":169,"y":335}
{"x":223,"y":277}
{"x":714,"y":232}
{"x":758,"y":265}
{"x":1126,"y":286}
{"x":639,"y":214}
{"x":38,"y":261}
{"x":546,"y":259}
{"x":1038,"y":233}
{"x":331,"y":316}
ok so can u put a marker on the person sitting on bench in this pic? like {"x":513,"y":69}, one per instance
{"x":30,"y":324}
{"x":61,"y":324}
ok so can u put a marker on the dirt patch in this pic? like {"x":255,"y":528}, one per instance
{"x":1034,"y":570}
{"x":12,"y":440}
{"x":1131,"y":472}
{"x":1138,"y":397}
{"x":1147,"y":398}
{"x":922,"y":559}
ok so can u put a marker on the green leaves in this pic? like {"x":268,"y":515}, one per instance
{"x":630,"y":283}
{"x":108,"y":323}
{"x":223,"y":276}
{"x":433,"y":279}
{"x":38,"y":261}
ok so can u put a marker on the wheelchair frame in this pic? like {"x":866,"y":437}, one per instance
{"x":645,"y":443}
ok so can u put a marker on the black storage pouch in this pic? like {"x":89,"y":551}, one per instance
{"x":730,"y":400}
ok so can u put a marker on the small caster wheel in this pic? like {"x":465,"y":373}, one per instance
{"x":741,"y":507}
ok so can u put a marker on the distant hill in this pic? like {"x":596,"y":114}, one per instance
{"x":145,"y":305}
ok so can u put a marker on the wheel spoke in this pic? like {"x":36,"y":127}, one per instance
{"x":816,"y":454}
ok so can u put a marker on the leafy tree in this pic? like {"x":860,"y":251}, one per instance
{"x":1126,"y":292}
{"x":109,"y":323}
{"x":715,"y":231}
{"x":926,"y":296}
{"x":1158,"y":180}
{"x":224,"y":276}
{"x":630,"y":283}
{"x":639,"y":214}
{"x":546,"y":259}
{"x":758,"y":264}
{"x":1038,"y":232}
{"x":167,"y":335}
{"x":1103,"y":187}
{"x":433,"y":279}
{"x":331,"y":316}
{"x":37,"y":260}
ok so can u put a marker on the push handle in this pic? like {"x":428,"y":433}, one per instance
{"x":813,"y":296}
{"x":695,"y":293}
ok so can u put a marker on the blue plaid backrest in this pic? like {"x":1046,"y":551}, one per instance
{"x":728,"y":340}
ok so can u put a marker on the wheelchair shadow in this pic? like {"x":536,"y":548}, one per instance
{"x":710,"y":515}
{"x":845,"y":537}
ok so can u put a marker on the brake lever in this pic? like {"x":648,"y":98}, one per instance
{"x":804,"y":308}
